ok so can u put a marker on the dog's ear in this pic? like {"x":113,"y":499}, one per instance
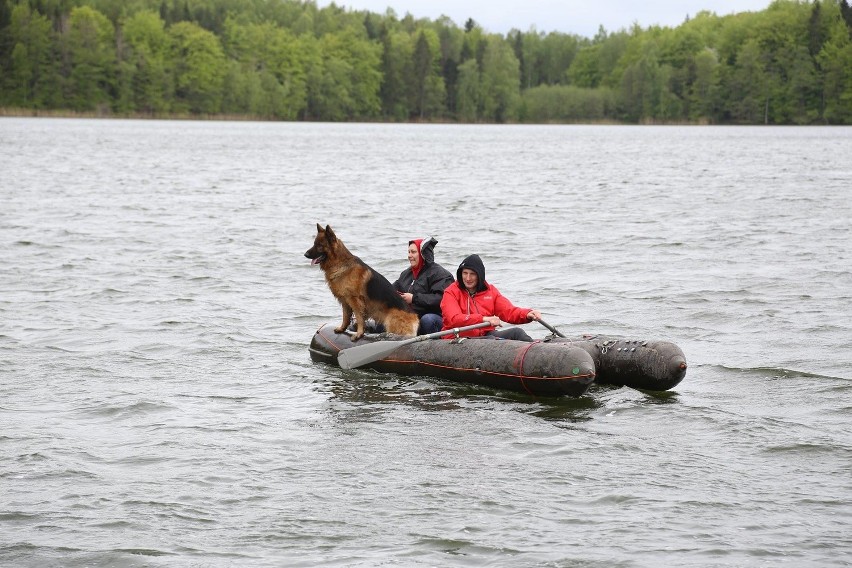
{"x":329,"y":234}
{"x":319,"y":228}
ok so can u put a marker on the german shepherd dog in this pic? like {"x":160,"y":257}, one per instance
{"x":360,"y":289}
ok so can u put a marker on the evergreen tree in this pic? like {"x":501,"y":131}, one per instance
{"x":422,"y":66}
{"x":28,"y":70}
{"x":816,"y":34}
{"x":427,"y":87}
{"x":393,"y":88}
{"x":846,"y":13}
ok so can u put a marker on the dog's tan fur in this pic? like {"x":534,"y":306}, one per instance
{"x":360,"y":290}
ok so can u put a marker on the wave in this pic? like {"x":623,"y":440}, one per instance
{"x":777,"y":372}
{"x":804,"y":448}
{"x":139,"y":408}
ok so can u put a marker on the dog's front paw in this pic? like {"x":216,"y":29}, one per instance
{"x":357,"y":336}
{"x":340,"y":329}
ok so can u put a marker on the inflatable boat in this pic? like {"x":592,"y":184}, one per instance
{"x":554,"y":366}
{"x":640,"y":364}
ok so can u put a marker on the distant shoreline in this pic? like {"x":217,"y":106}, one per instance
{"x":45,"y":113}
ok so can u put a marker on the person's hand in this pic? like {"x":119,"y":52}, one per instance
{"x":407,"y":296}
{"x":534,"y":315}
{"x":493,"y":320}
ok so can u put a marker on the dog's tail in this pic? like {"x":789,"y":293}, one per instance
{"x":400,"y":322}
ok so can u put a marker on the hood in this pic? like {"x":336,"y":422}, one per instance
{"x":427,"y":249}
{"x":473,"y":262}
{"x":427,"y":253}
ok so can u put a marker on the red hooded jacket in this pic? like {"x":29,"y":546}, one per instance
{"x":459,"y":308}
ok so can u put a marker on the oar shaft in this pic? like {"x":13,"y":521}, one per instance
{"x":552,"y":329}
{"x":364,"y":354}
{"x":454,"y":331}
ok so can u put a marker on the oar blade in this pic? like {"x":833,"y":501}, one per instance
{"x":364,"y":354}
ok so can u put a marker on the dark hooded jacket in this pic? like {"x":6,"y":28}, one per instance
{"x":427,"y":281}
{"x":461,"y":308}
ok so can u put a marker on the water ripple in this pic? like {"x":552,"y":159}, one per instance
{"x":159,"y":406}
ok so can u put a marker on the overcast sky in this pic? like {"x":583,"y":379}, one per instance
{"x":581,"y":17}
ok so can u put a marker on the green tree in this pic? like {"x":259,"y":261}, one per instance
{"x":846,"y":14}
{"x":704,"y":88}
{"x":269,"y":78}
{"x":364,"y":58}
{"x":468,"y":92}
{"x":585,"y":69}
{"x":747,"y":87}
{"x":835,"y":60}
{"x":559,"y":103}
{"x":291,"y":59}
{"x":557,"y":53}
{"x":816,"y":29}
{"x":678,"y":49}
{"x":199,"y":68}
{"x":344,"y":78}
{"x":612,"y":51}
{"x":396,"y":55}
{"x":243,"y":91}
{"x":5,"y":20}
{"x":427,"y":86}
{"x":421,"y":71}
{"x":531,"y":58}
{"x":596,"y":64}
{"x":644,"y":89}
{"x":500,"y":94}
{"x":451,"y":39}
{"x":30,"y":65}
{"x":149,"y":46}
{"x":473,"y":45}
{"x":91,"y":41}
{"x":798,"y":89}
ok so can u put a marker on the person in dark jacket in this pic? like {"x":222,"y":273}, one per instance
{"x":422,"y":284}
{"x":471,"y":300}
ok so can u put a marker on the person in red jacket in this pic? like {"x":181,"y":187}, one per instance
{"x":471,"y":300}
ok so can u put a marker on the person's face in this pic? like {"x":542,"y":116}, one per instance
{"x":413,"y":255}
{"x":470,"y":279}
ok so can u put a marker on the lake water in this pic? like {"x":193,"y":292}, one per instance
{"x":158,"y":406}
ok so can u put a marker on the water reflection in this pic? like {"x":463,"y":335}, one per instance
{"x":368,"y":395}
{"x":661,"y":397}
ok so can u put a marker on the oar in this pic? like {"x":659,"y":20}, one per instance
{"x":363,"y":354}
{"x":552,"y":329}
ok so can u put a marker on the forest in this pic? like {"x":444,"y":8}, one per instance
{"x":789,"y":64}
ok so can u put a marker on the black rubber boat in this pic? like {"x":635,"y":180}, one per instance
{"x":554,"y":366}
{"x":640,"y":364}
{"x":539,"y":368}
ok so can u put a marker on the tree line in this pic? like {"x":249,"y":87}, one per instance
{"x":291,"y":60}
